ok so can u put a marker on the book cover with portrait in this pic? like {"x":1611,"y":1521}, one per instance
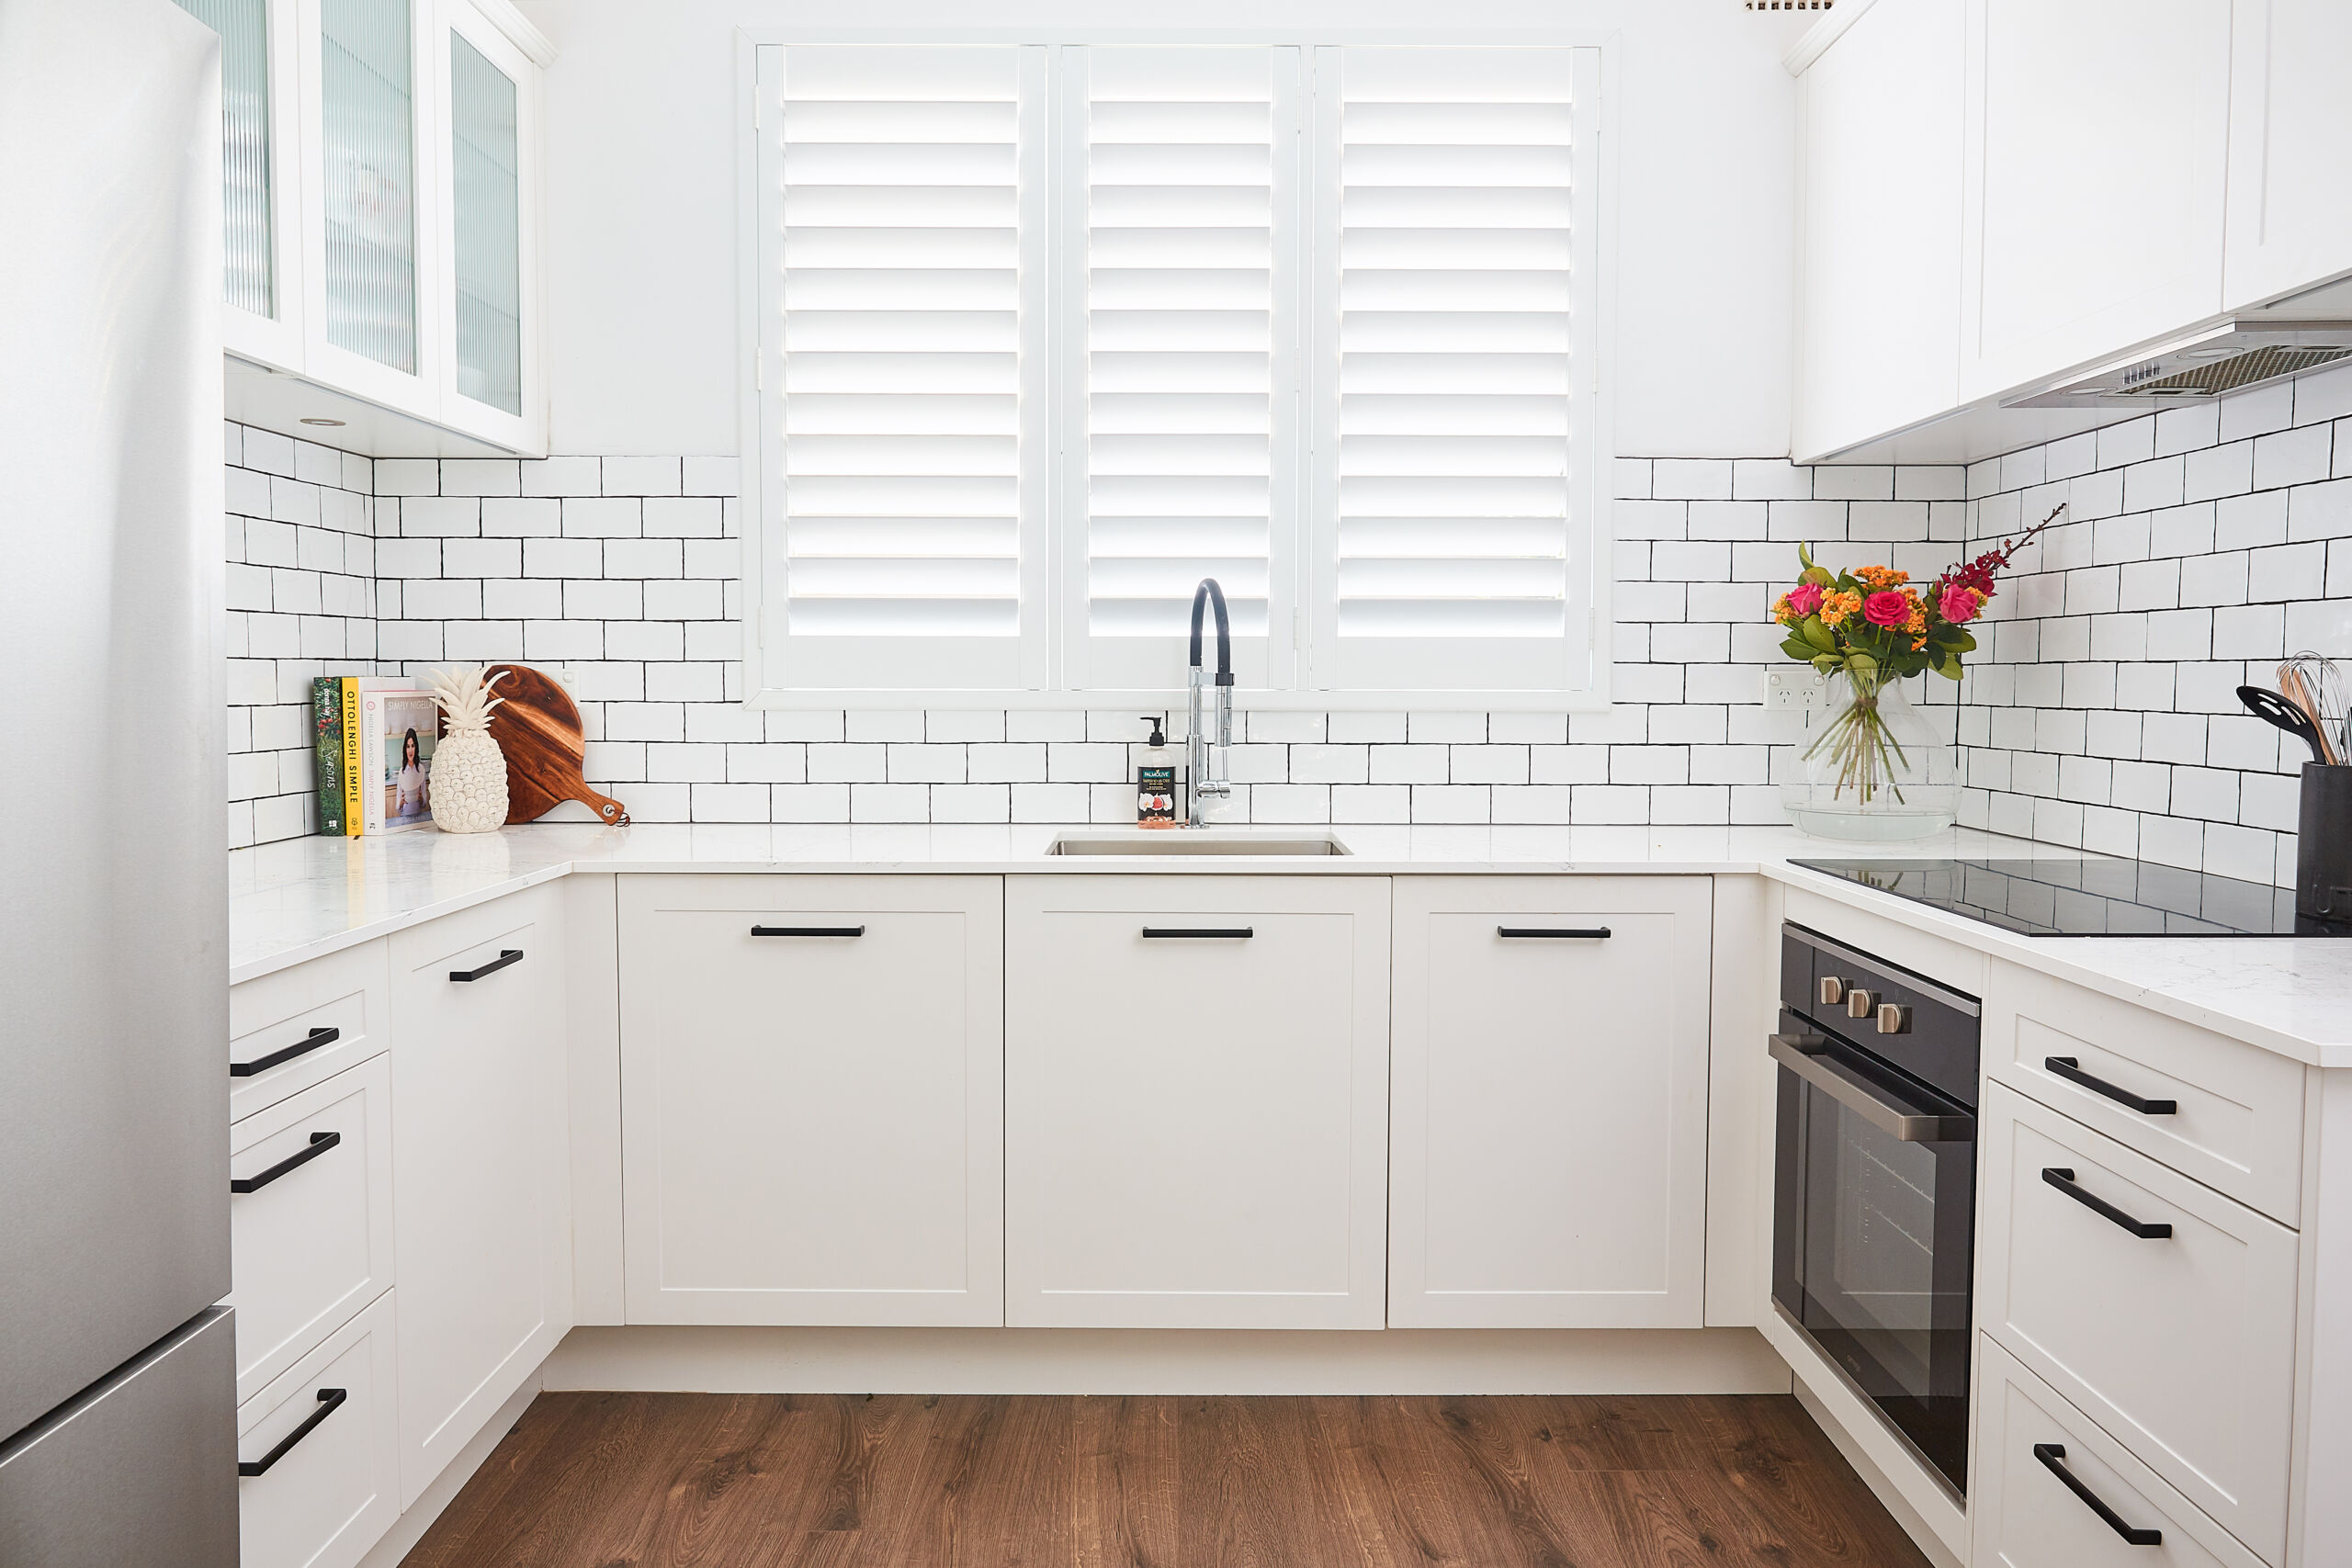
{"x":400,"y":728}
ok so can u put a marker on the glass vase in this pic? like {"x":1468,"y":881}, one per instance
{"x":1872,"y":766}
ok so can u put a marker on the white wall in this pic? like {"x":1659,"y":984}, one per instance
{"x":641,"y":193}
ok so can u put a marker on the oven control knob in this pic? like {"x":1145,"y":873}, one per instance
{"x":1894,"y":1018}
{"x":1833,"y":990}
{"x":1858,"y":1003}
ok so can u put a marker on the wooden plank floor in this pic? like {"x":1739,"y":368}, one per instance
{"x":775,"y":1481}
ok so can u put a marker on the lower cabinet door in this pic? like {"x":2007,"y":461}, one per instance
{"x":326,"y":1439}
{"x":480,"y":1179}
{"x":2053,"y":1489}
{"x":2163,"y":1309}
{"x":812,"y":1076}
{"x":1549,"y":1132}
{"x":1196,"y":1101}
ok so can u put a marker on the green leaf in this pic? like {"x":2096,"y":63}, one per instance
{"x":1863,"y":663}
{"x":1814,"y":632}
{"x":1797,"y":647}
{"x":1949,"y":667}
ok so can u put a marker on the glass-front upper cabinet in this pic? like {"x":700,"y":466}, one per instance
{"x":261,"y":177}
{"x":489,"y":240}
{"x":380,"y":212}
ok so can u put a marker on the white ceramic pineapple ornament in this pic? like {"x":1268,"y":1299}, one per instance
{"x":469,"y":770}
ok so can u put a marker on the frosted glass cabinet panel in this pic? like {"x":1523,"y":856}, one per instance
{"x":248,"y":250}
{"x":367,"y":161}
{"x":486,"y":224}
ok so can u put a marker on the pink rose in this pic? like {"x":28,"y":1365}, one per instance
{"x":1886,"y":608}
{"x":1959,"y":605}
{"x":1804,"y":599}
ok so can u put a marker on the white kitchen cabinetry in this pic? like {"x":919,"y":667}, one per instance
{"x":1878,"y":273}
{"x":812,"y":1099}
{"x":2290,"y":148}
{"x":2033,"y":1448}
{"x":2163,"y":1309}
{"x":1196,"y":1119}
{"x":1549,"y":1128}
{"x":481,"y":1169}
{"x":2097,"y":136}
{"x":327,"y":1498}
{"x":311,"y":1240}
{"x":381,"y":220}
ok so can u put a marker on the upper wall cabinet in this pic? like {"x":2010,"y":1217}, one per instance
{"x":1878,"y":270}
{"x":381,"y":210}
{"x":2290,"y":148}
{"x":2098,"y":135}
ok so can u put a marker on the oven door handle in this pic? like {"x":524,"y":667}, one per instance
{"x":1806,"y":1056}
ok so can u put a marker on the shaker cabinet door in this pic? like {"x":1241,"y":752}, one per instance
{"x":481,"y":1167}
{"x":812,"y":1099}
{"x":1197,"y":1102}
{"x":1548,"y":1136}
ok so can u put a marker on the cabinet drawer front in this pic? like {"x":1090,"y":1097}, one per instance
{"x":2183,"y":1344}
{"x":1548,"y":1136}
{"x":813,"y":1120}
{"x":2236,"y":1122}
{"x":317,"y":1019}
{"x":1196,"y":1125}
{"x":2028,"y":1516}
{"x":314,"y":1245}
{"x":332,"y":1493}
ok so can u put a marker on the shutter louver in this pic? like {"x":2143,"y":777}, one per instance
{"x":907,"y":498}
{"x":1454,"y":533}
{"x":1185,"y":260}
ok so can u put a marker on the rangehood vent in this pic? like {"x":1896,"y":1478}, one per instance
{"x":2243,"y":352}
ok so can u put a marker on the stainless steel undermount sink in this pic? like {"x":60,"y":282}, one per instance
{"x":1188,"y":842}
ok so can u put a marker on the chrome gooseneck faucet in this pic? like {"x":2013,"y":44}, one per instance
{"x":1196,"y":741}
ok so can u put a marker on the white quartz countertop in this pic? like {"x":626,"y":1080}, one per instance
{"x":306,"y":897}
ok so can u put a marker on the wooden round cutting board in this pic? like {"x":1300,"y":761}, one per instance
{"x":538,"y":729}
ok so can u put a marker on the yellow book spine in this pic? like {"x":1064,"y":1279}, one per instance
{"x":351,"y":782}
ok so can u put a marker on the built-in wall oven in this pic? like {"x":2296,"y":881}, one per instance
{"x":1874,"y":1195}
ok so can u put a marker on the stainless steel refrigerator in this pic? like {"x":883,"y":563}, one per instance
{"x":118,"y":1421}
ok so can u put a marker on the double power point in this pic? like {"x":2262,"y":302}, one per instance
{"x":1799,"y":688}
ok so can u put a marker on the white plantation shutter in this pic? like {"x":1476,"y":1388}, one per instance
{"x":902,"y":245}
{"x":1454,"y":492}
{"x":1048,"y":332}
{"x":1183,"y":343}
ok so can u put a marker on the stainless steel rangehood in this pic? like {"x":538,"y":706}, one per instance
{"x":2242,"y":352}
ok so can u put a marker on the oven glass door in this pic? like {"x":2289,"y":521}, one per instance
{"x":1874,"y":1213}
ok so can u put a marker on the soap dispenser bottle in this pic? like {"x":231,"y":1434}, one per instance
{"x":1155,"y":778}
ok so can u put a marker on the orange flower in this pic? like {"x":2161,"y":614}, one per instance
{"x":1836,"y":607}
{"x":1882,"y":575}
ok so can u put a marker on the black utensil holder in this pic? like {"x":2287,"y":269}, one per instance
{"x":2323,"y":844}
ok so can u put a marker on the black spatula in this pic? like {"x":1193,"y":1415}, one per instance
{"x":2265,"y":703}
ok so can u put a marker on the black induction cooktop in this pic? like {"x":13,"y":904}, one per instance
{"x":2087,"y":898}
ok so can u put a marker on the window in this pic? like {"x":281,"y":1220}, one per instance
{"x":1046,"y":333}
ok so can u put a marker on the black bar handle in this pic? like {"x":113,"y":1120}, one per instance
{"x":2071,"y":1069}
{"x":302,"y":1047}
{"x":2063,"y":1179}
{"x":330,"y":1400}
{"x":807,"y":930}
{"x":505,"y":955}
{"x":320,"y":1144}
{"x":2051,"y":1454}
{"x":1234,"y":931}
{"x":1595,"y":932}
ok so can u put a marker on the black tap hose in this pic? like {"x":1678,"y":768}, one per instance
{"x":1208,"y":592}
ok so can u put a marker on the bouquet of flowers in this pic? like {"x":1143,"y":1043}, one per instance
{"x":1872,"y":627}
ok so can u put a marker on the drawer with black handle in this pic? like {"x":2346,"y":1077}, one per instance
{"x":2162,"y":1309}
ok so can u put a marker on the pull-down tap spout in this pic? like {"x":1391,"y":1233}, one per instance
{"x":1196,"y":741}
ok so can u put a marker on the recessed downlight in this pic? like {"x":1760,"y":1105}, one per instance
{"x":328,"y":424}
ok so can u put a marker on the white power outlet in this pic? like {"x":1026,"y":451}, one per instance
{"x":1797,"y":689}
